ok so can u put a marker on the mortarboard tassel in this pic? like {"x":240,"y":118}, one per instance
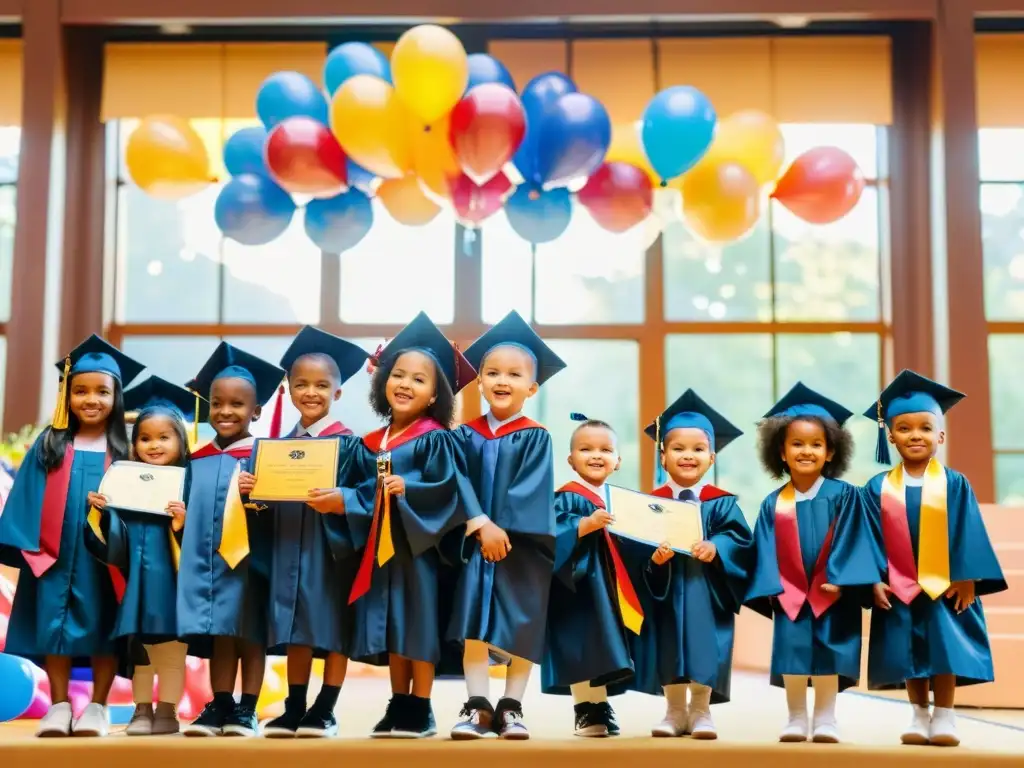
{"x":374,"y":360}
{"x":60,"y":411}
{"x":882,"y":446}
{"x":194,"y":434}
{"x":578,"y":416}
{"x":277,"y":414}
{"x":659,"y":471}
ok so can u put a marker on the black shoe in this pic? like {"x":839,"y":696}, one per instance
{"x":508,"y":720}
{"x":317,"y":725}
{"x":285,"y":726}
{"x":382,"y":730}
{"x":477,"y":721}
{"x":589,"y":722}
{"x":209,"y":723}
{"x":416,"y":720}
{"x":607,"y":715}
{"x":242,"y":722}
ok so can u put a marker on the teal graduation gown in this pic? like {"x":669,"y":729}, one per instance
{"x":928,"y":637}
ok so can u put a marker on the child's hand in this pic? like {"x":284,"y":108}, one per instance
{"x":246,"y":482}
{"x":176,"y":509}
{"x":831,"y":589}
{"x":394,"y":484}
{"x":705,"y":551}
{"x":882,"y":592}
{"x":598,"y":519}
{"x":963,"y":591}
{"x":494,"y":542}
{"x":327,"y":501}
{"x":662,"y":554}
{"x":97,"y":500}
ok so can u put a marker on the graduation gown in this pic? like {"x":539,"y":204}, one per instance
{"x":213,"y":598}
{"x":929,"y":637}
{"x":586,"y":639}
{"x":690,"y":607}
{"x":505,"y":604}
{"x":824,"y":637}
{"x":69,"y":609}
{"x":400,"y":611}
{"x":313,"y":564}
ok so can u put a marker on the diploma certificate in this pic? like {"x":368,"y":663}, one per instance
{"x":288,"y":469}
{"x":136,"y":487}
{"x":652,"y":520}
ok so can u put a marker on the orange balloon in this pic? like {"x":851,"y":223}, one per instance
{"x":751,"y":139}
{"x":372,"y":125}
{"x":405,"y":201}
{"x":434,"y":159}
{"x":167,"y":159}
{"x":721,"y":201}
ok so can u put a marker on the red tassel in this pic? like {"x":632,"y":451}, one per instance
{"x":374,"y":360}
{"x":275,"y":417}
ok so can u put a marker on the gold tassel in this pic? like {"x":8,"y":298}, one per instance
{"x":194,"y":434}
{"x":657,"y":432}
{"x":60,"y":412}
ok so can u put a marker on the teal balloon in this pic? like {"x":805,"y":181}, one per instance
{"x":17,"y":686}
{"x":351,"y":59}
{"x":289,"y":94}
{"x":539,"y":217}
{"x":678,"y":127}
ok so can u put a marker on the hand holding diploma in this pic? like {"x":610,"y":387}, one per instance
{"x":327,"y":501}
{"x":246,"y":482}
{"x":176,"y":509}
{"x":598,"y":519}
{"x":704,"y":551}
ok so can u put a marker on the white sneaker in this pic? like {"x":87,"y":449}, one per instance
{"x":917,"y":732}
{"x":701,"y":726}
{"x":796,"y":729}
{"x":57,"y":721}
{"x":673,"y":725}
{"x":826,"y":731}
{"x":94,"y":721}
{"x":942,"y":730}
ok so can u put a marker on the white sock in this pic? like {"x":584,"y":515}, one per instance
{"x":826,"y":688}
{"x":796,"y":694}
{"x":517,"y":678}
{"x":475,"y":664}
{"x":675,"y":696}
{"x":585,"y":693}
{"x":700,"y":698}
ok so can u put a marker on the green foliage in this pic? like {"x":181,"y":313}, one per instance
{"x":16,"y":445}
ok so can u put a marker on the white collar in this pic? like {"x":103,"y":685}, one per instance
{"x":315,"y":428}
{"x":677,"y":488}
{"x":812,"y":491}
{"x":495,"y":425}
{"x":912,"y":482}
{"x":245,"y":442}
{"x":599,"y":490}
{"x":97,"y":444}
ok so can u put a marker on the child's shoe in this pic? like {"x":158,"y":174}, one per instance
{"x":285,"y":726}
{"x":477,"y":720}
{"x":317,"y":725}
{"x":242,"y":721}
{"x":384,"y":726}
{"x":917,"y":732}
{"x":608,"y":717}
{"x":589,"y":720}
{"x":796,"y":729}
{"x":56,"y":721}
{"x":826,"y":731}
{"x":942,"y":731}
{"x":142,"y":721}
{"x":94,"y":721}
{"x":508,"y":720}
{"x":165,"y":723}
{"x":674,"y":724}
{"x":210,"y":721}
{"x":701,"y":726}
{"x":416,"y":720}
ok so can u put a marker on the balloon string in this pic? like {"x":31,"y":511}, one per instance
{"x":656,"y":61}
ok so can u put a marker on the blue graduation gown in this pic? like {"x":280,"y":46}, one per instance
{"x":70,"y":609}
{"x":586,"y":640}
{"x":313,"y":564}
{"x":829,"y":644}
{"x":400,"y":612}
{"x":929,"y":637}
{"x":214,"y":599}
{"x":690,"y":607}
{"x":505,"y":604}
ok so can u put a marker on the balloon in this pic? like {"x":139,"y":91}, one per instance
{"x":752,"y":139}
{"x":473,"y":203}
{"x":538,"y":98}
{"x":372,"y":126}
{"x":351,"y":59}
{"x":121,"y":692}
{"x":573,"y":139}
{"x":243,"y":151}
{"x":678,"y":126}
{"x":338,"y":223}
{"x":19,"y":686}
{"x":434,"y":161}
{"x":39,"y":706}
{"x":273,"y":691}
{"x":360,"y":178}
{"x":253,"y":210}
{"x":627,"y":148}
{"x":430,"y":71}
{"x":619,"y":196}
{"x":289,"y":94}
{"x":486,"y":129}
{"x":821,"y":186}
{"x":539,"y":217}
{"x":721,"y":201}
{"x":166,"y":158}
{"x":304,"y":158}
{"x":487,"y":69}
{"x":79,"y":694}
{"x":405,"y":200}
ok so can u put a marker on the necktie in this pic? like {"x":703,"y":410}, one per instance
{"x":687,"y":494}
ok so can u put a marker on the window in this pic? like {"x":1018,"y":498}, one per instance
{"x":10,"y":151}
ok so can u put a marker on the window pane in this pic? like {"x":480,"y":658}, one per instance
{"x":506,"y":271}
{"x":1002,"y":238}
{"x":8,"y":214}
{"x":999,"y":155}
{"x":845,"y":368}
{"x":860,"y":140}
{"x":3,"y":372}
{"x":739,"y":386}
{"x":397,"y":271}
{"x":1010,"y":479}
{"x":1005,"y":353}
{"x":10,"y":151}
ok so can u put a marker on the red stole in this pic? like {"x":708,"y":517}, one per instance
{"x":211,"y":449}
{"x":483,"y":428}
{"x":335,"y":429}
{"x":707,"y":493}
{"x":792,"y":574}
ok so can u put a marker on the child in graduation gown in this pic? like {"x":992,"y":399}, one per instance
{"x":145,"y":548}
{"x":313,"y":563}
{"x":690,"y":602}
{"x":586,"y":649}
{"x":66,"y":601}
{"x":501,"y":599}
{"x":415,"y":491}
{"x":815,"y":561}
{"x":928,"y":626}
{"x":222,"y":589}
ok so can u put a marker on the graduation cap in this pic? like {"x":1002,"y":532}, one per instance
{"x":230,"y":362}
{"x":422,"y":335}
{"x":156,"y":392}
{"x":94,"y":355}
{"x":347,"y":356}
{"x":909,"y":392}
{"x":513,"y":331}
{"x":690,"y":411}
{"x":801,"y":400}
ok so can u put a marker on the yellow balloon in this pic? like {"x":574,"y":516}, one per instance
{"x":721,"y":201}
{"x":167,"y":159}
{"x":372,"y":126}
{"x":430,"y":71}
{"x":434,"y":160}
{"x":752,"y":139}
{"x":405,"y":201}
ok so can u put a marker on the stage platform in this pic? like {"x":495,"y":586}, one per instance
{"x":748,"y":728}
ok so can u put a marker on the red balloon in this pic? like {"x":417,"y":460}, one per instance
{"x":304,"y":158}
{"x":486,"y":129}
{"x":475,"y":202}
{"x":618,"y":195}
{"x":821,"y":186}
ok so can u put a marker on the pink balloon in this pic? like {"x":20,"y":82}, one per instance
{"x":121,"y":692}
{"x":40,"y":706}
{"x":79,"y":694}
{"x":187,"y":710}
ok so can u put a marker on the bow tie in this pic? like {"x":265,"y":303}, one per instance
{"x":687,"y":494}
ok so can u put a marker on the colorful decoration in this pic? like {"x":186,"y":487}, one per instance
{"x":351,"y":59}
{"x":406,"y":202}
{"x":304,"y":158}
{"x":619,"y":196}
{"x":253,"y":210}
{"x":166,"y":158}
{"x":752,"y":139}
{"x":539,"y":217}
{"x":486,"y":129}
{"x":372,"y":126}
{"x":821,"y":186}
{"x":339,"y":223}
{"x":430,"y":70}
{"x":678,"y":126}
{"x":721,"y":201}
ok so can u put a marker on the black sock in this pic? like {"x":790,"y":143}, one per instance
{"x":224,"y":700}
{"x":249,"y":700}
{"x":327,"y":699}
{"x":296,"y":700}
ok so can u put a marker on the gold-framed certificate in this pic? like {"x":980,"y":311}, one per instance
{"x":652,"y":519}
{"x":288,"y":469}
{"x":132,"y":486}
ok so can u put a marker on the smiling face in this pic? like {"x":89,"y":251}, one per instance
{"x":313,"y":387}
{"x":594,"y":454}
{"x":917,"y":436}
{"x":687,"y":455}
{"x":232,"y":408}
{"x":156,"y":440}
{"x":805,"y":450}
{"x":507,"y":379}
{"x":91,"y":398}
{"x":411,"y":385}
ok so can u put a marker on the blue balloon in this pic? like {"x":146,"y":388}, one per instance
{"x":351,"y":59}
{"x":243,"y":152}
{"x":539,"y":217}
{"x":360,"y":178}
{"x":487,"y":69}
{"x":337,"y":224}
{"x":18,"y":688}
{"x":82,"y":674}
{"x":290,"y":94}
{"x":678,"y":126}
{"x":573,"y":139}
{"x":539,"y":97}
{"x":252,"y":210}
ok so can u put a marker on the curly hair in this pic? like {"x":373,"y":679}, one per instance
{"x":771,"y":438}
{"x":443,"y":409}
